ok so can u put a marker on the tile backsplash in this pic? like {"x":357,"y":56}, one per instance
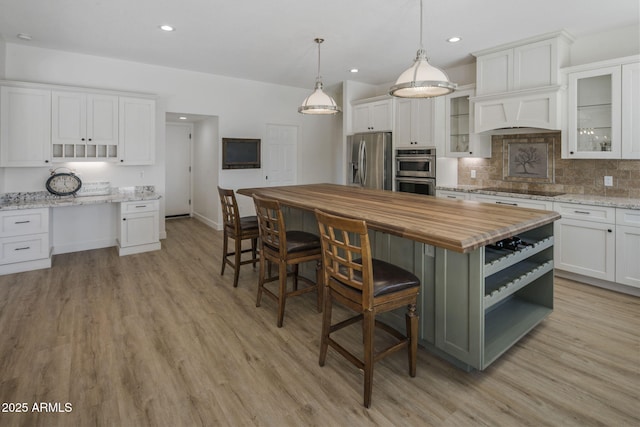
{"x":579,"y":176}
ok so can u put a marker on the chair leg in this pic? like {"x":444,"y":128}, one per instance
{"x":326,"y":325}
{"x":368,"y":327}
{"x":236,"y":273}
{"x":254,"y":245}
{"x":261,"y":277}
{"x":295,"y":277}
{"x":282,"y":296}
{"x":412,"y":333}
{"x":225,"y":247}
{"x":319,"y":284}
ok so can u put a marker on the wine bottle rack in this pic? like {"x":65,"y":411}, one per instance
{"x":84,"y":152}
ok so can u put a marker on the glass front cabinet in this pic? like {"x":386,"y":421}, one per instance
{"x":594,"y":126}
{"x":459,"y":140}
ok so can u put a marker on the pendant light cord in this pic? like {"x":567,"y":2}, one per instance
{"x":319,"y":41}
{"x":421,"y":32}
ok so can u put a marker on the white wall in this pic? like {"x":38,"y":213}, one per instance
{"x":616,"y":43}
{"x":243,"y":109}
{"x":3,"y":48}
{"x":205,"y":171}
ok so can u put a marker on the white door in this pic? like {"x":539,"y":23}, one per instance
{"x":178,"y":170}
{"x":281,"y":150}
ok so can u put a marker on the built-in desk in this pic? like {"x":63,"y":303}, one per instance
{"x":34,"y":226}
{"x":475,"y":302}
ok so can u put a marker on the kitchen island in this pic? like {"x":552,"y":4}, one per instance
{"x":476,"y":301}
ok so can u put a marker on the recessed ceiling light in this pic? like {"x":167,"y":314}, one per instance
{"x":24,"y":36}
{"x":353,"y":70}
{"x":182,"y":118}
{"x":455,"y":39}
{"x":167,"y":28}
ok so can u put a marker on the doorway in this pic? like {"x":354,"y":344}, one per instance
{"x":178,"y":170}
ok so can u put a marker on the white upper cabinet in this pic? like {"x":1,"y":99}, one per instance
{"x":603,"y":106}
{"x":518,"y":84}
{"x":25,"y":126}
{"x":414,"y":123}
{"x":527,"y":64}
{"x":460,"y":140}
{"x":373,"y":116}
{"x":84,"y":126}
{"x":631,"y":111}
{"x":137,"y":131}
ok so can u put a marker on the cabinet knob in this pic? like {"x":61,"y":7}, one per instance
{"x":470,"y":152}
{"x":610,"y":230}
{"x":89,"y":139}
{"x":570,"y":152}
{"x":121,"y":160}
{"x":46,"y":161}
{"x":81,"y":139}
{"x":124,"y":219}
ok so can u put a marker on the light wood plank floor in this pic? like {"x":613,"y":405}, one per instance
{"x":161,"y":339}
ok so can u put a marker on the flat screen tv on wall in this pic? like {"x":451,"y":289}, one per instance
{"x":240,"y":153}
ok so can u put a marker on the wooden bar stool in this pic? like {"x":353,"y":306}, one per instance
{"x":368,"y":287}
{"x":239,"y":229}
{"x":285,"y":248}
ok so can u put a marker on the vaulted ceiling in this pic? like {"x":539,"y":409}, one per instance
{"x":272,"y":40}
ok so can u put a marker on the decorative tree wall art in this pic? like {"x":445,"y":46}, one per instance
{"x":528,"y":161}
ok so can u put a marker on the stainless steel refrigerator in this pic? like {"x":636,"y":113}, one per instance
{"x":370,"y":164}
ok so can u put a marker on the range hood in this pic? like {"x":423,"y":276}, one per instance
{"x":539,"y":108}
{"x":519,"y":84}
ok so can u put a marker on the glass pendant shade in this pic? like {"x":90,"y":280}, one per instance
{"x":318,"y":102}
{"x":422,"y":80}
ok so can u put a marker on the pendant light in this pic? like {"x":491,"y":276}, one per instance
{"x":422,"y":80}
{"x":318,"y":102}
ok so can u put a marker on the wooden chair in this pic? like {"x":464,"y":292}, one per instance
{"x":239,"y":229}
{"x":368,"y":287}
{"x":285,"y":249}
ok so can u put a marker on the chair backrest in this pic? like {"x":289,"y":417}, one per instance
{"x":230,"y":212}
{"x":271,"y":223}
{"x":346,"y":255}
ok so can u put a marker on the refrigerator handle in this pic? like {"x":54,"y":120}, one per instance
{"x":363,"y":162}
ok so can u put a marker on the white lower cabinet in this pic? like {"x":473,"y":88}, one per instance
{"x":456,"y":195}
{"x":25,"y":242}
{"x":138,"y":227}
{"x":586,"y":240}
{"x":628,"y":247}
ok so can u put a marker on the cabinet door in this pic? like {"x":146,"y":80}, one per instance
{"x":594,"y":99}
{"x":68,"y":118}
{"x":402,"y":132}
{"x":361,"y":118}
{"x":381,"y":115}
{"x":494,"y":72}
{"x":459,"y":125}
{"x":585,"y":247}
{"x":422,"y":122}
{"x":25,"y":126}
{"x":102,"y":119}
{"x":139,"y":229}
{"x":137,"y":131}
{"x":631,"y":111}
{"x":627,"y":252}
{"x":534,"y":65}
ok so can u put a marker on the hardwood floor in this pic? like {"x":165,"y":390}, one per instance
{"x":161,"y":339}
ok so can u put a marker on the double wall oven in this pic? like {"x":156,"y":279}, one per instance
{"x":416,"y":170}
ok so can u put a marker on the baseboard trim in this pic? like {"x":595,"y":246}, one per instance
{"x":612,"y":286}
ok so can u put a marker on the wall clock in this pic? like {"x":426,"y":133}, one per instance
{"x":63,"y":183}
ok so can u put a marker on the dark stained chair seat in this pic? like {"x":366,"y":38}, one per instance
{"x":387,"y":277}
{"x":298,"y":241}
{"x":249,"y":222}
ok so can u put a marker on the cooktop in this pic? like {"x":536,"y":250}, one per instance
{"x":521,"y":191}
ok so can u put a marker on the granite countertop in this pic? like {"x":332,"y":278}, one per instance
{"x":584,"y":199}
{"x":44,"y":199}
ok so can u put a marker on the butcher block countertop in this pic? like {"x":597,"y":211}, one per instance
{"x":458,"y":225}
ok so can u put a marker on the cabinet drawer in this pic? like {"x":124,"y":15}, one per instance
{"x":514,"y":201}
{"x":586,"y":212}
{"x":140,"y":206}
{"x":452,"y":195}
{"x":628,"y":217}
{"x":24,"y":248}
{"x":24,"y":222}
